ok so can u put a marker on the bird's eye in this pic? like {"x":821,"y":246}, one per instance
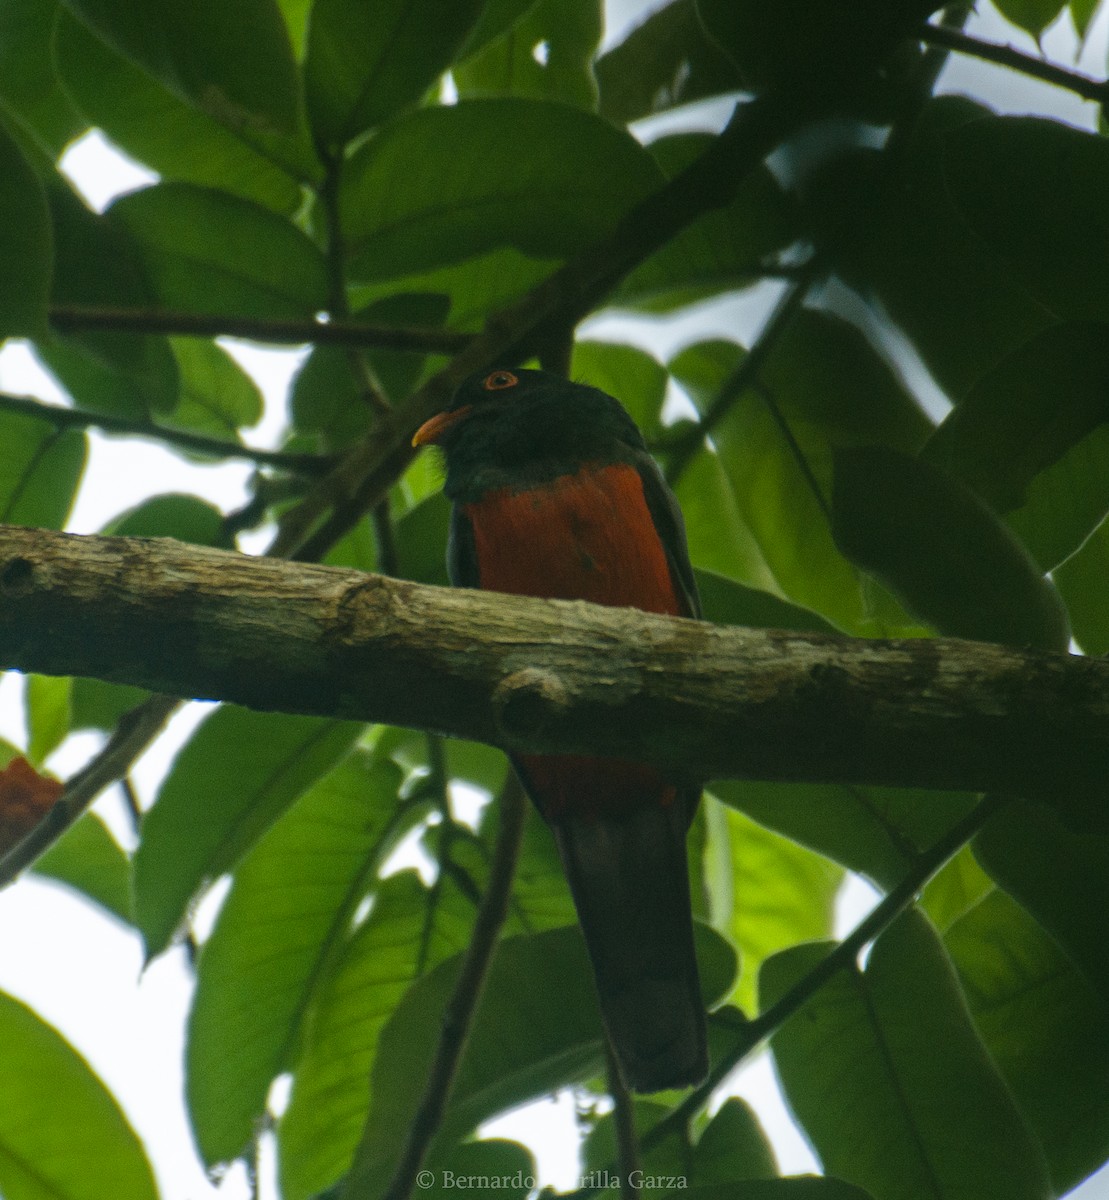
{"x":498,"y":380}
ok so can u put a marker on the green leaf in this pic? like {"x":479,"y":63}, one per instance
{"x":366,"y":63}
{"x":877,"y":832}
{"x":327,"y":400}
{"x":999,"y":169}
{"x":725,"y":602}
{"x":28,"y":82}
{"x":62,"y":1134}
{"x":954,"y":890}
{"x":1044,"y":1027}
{"x":448,"y":183}
{"x":897,"y":234}
{"x":232,"y":61}
{"x":537,"y":1027}
{"x":1026,"y":413}
{"x":288,"y":912}
{"x":421,"y":541}
{"x":208,"y":252}
{"x":793,"y":1187}
{"x":99,"y":705}
{"x":937,"y":546}
{"x":919,"y":1107}
{"x":46,"y":700}
{"x":1066,"y":502}
{"x":474,"y":289}
{"x":88,"y":858}
{"x":1060,"y":876}
{"x":820,"y":46}
{"x":98,"y":265}
{"x":768,"y":893}
{"x":632,"y":375}
{"x":665,"y":1159}
{"x":217,"y":396}
{"x":733,"y":1146}
{"x":508,"y":1163}
{"x":721,"y":251}
{"x":1082,"y":13}
{"x":495,"y":19}
{"x":1031,"y":15}
{"x":831,"y":390}
{"x":186,"y":518}
{"x":1081,"y":583}
{"x":236,"y":775}
{"x":174,"y":139}
{"x":26,"y":245}
{"x":720,"y":540}
{"x":408,"y":931}
{"x":40,"y":469}
{"x":664,"y":62}
{"x":546,"y":55}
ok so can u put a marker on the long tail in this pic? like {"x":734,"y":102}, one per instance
{"x":630,"y":884}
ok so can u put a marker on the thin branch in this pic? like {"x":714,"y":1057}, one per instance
{"x":75,"y":318}
{"x":623,"y":1122}
{"x":77,"y":418}
{"x":754,"y":1032}
{"x":460,"y":1009}
{"x":1082,"y":85}
{"x":560,"y":301}
{"x":131,"y":736}
{"x":681,"y":451}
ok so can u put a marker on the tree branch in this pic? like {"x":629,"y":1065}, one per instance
{"x":77,"y":418}
{"x":746,"y":374}
{"x":754,"y":1032}
{"x":459,"y":1013}
{"x":559,"y":301}
{"x":552,"y":676}
{"x":74,"y":318}
{"x":1008,"y":56}
{"x":131,"y":736}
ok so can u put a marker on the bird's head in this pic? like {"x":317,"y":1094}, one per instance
{"x":508,"y":421}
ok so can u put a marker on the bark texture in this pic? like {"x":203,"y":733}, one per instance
{"x":551,"y":675}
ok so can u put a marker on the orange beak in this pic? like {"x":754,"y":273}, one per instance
{"x":432,"y":430}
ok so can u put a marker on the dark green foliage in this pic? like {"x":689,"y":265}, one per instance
{"x":910,"y":451}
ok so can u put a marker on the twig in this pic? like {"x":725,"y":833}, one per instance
{"x":560,"y":300}
{"x":879,"y":918}
{"x":131,"y":736}
{"x":682,"y":450}
{"x":362,"y":478}
{"x":461,"y":1006}
{"x":1085,"y":86}
{"x":78,"y":418}
{"x":75,"y":318}
{"x":623,"y":1122}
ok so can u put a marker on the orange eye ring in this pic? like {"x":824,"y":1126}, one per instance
{"x":497,"y":381}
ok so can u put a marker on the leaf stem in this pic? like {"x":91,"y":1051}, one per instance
{"x":78,"y":418}
{"x":1082,"y":85}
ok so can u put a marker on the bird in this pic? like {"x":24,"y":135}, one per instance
{"x":553,"y":494}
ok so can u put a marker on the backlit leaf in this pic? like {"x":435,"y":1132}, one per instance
{"x":62,"y":1134}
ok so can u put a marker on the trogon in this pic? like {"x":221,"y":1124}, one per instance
{"x":554,"y":494}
